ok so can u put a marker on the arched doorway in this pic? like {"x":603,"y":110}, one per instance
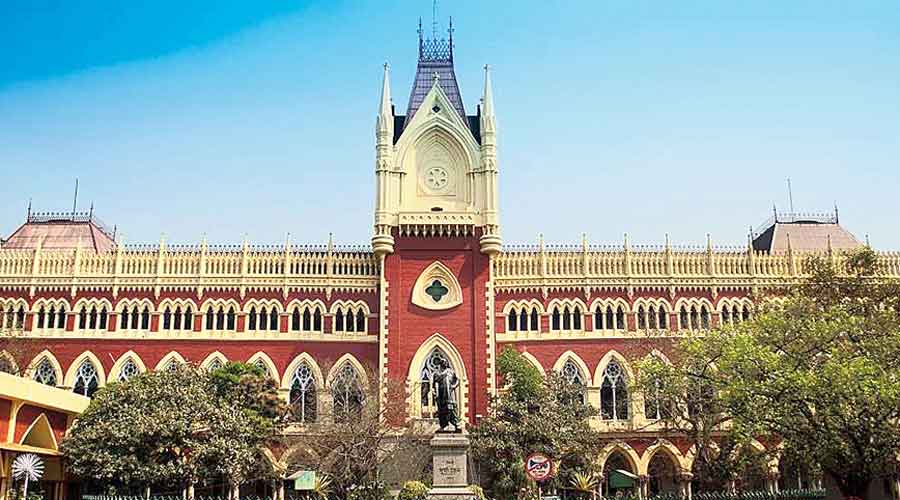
{"x":661,"y":472}
{"x":620,"y":477}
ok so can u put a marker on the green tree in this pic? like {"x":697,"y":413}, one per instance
{"x":533,"y":414}
{"x":170,"y":427}
{"x":818,"y":368}
{"x":251,"y":412}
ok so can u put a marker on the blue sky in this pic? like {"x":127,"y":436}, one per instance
{"x":256,"y":118}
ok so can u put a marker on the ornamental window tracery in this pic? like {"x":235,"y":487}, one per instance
{"x":259,"y":363}
{"x":523,"y":319}
{"x":172,"y":365}
{"x":45,"y":373}
{"x":573,"y":374}
{"x":306,"y":319}
{"x":178,"y":319}
{"x":129,"y":369}
{"x":86,"y":379}
{"x":346,"y":393}
{"x":7,"y":365}
{"x":614,"y":393}
{"x":214,"y":364}
{"x":303,"y":397}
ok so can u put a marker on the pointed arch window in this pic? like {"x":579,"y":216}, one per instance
{"x":317,"y":320}
{"x":745,"y":314}
{"x":642,"y":318}
{"x":7,"y":366}
{"x":535,"y":322}
{"x":230,"y":318}
{"x":172,"y":365}
{"x":652,"y":405}
{"x":210,"y":319}
{"x":307,"y":319}
{"x":620,"y":318}
{"x":45,"y":373}
{"x":726,"y":316}
{"x":704,"y":318}
{"x":145,"y":318}
{"x":251,"y":320}
{"x":683,"y":322}
{"x":61,"y":317}
{"x":273,"y":320}
{"x":20,"y":318}
{"x":339,"y":321}
{"x":86,"y":379}
{"x":167,"y":319}
{"x":295,"y":319}
{"x":613,"y":393}
{"x":513,"y":324}
{"x":129,"y":369}
{"x":360,"y":321}
{"x":259,"y":363}
{"x":41,"y":318}
{"x":303,"y":394}
{"x":573,"y":375}
{"x":347,"y":394}
{"x":555,"y":319}
{"x":123,"y":319}
{"x":214,"y":364}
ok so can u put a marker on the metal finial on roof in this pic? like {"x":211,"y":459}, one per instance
{"x":75,"y":200}
{"x":28,"y":214}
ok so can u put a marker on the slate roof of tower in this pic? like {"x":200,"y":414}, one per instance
{"x":435,"y":56}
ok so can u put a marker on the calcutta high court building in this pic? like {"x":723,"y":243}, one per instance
{"x":436,"y":283}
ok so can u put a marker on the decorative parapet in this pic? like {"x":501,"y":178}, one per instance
{"x":571,"y":266}
{"x":203,"y":267}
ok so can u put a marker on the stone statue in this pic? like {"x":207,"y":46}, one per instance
{"x":444,"y":385}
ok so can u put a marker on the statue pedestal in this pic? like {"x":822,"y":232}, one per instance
{"x":450,"y":465}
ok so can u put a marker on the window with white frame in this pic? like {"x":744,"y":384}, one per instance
{"x":45,"y":373}
{"x":613,"y":393}
{"x":303,"y":395}
{"x":129,"y":369}
{"x":347,"y":394}
{"x":86,"y":379}
{"x":306,"y":319}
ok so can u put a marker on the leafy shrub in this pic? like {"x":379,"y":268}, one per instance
{"x":413,"y":490}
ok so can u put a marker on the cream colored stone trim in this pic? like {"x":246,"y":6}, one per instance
{"x":680,"y":462}
{"x":295,"y":363}
{"x":117,"y":366}
{"x":172,"y":356}
{"x":36,"y":361}
{"x":6,"y":356}
{"x":582,"y":366}
{"x":437,"y":340}
{"x":339,"y":364}
{"x":73,"y":369}
{"x":23,"y":390}
{"x":260,"y":303}
{"x":41,"y":426}
{"x":260,"y":355}
{"x":213,"y":355}
{"x":440,"y":272}
{"x":224,"y":335}
{"x":537,"y":364}
{"x":625,"y":450}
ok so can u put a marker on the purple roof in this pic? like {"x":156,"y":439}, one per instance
{"x":435,"y":56}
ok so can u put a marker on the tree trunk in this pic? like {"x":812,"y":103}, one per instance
{"x":853,"y":486}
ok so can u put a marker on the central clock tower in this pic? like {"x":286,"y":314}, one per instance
{"x":436,"y":230}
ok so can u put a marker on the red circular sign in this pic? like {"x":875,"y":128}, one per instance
{"x":538,"y":466}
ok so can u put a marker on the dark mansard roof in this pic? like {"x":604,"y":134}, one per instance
{"x":436,"y":57}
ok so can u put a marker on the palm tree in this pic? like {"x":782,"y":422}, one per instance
{"x":585,"y":482}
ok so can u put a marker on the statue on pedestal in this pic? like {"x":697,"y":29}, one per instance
{"x":444,"y":385}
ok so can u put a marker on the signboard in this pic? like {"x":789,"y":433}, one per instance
{"x":621,"y":479}
{"x":538,"y":466}
{"x":304,"y":480}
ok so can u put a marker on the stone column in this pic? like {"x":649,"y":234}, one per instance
{"x":772,"y":481}
{"x":450,"y":467}
{"x":643,"y":487}
{"x":684,"y":484}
